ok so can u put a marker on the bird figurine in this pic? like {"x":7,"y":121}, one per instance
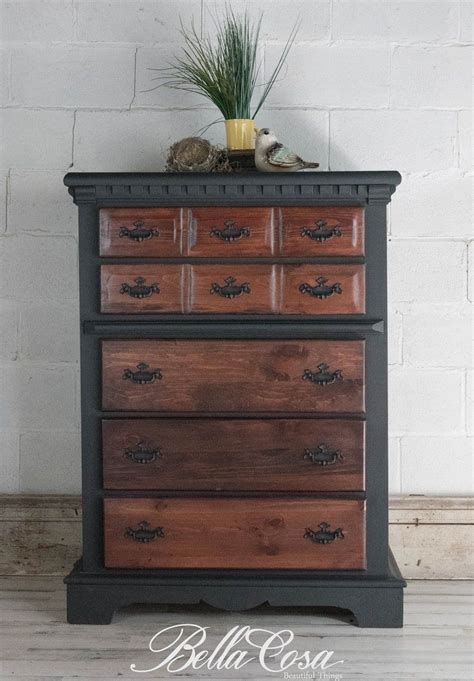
{"x":273,"y":157}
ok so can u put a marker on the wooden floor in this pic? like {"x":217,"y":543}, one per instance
{"x":37,"y":644}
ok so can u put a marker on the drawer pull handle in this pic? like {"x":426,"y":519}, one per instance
{"x":144,"y":532}
{"x":139,"y":233}
{"x":322,"y":232}
{"x":230,"y":288}
{"x":140,"y":290}
{"x":322,"y":288}
{"x":324,"y":535}
{"x":323,"y":456}
{"x":143,"y":375}
{"x":322,"y":376}
{"x":143,"y":454}
{"x":230,"y":232}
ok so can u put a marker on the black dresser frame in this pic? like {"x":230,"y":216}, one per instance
{"x":375,"y":595}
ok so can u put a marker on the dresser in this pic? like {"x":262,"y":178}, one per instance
{"x":233,"y":393}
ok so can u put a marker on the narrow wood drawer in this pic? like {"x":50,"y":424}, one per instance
{"x":233,"y":375}
{"x":322,"y":230}
{"x":234,"y":533}
{"x":231,"y":232}
{"x":141,"y":231}
{"x":233,"y":289}
{"x":233,"y":454}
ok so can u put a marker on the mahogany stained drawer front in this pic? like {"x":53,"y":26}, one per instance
{"x":232,"y":231}
{"x":232,"y":376}
{"x":236,"y":454}
{"x":234,"y":533}
{"x":233,"y":288}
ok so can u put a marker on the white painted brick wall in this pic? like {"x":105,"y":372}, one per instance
{"x":370,"y":84}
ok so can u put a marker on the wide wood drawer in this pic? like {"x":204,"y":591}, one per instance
{"x":233,"y":289}
{"x":322,"y":230}
{"x":233,"y":454}
{"x":234,"y":533}
{"x":145,"y":232}
{"x":233,"y":375}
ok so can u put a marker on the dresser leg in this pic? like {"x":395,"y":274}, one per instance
{"x":380,"y":608}
{"x":89,"y":604}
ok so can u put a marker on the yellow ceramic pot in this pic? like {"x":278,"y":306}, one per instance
{"x":240,"y":133}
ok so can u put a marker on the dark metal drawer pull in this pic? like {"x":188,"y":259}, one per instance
{"x":142,"y":453}
{"x":323,"y":456}
{"x":322,"y":288}
{"x":230,"y":289}
{"x":322,"y":376}
{"x":230,"y":232}
{"x":324,"y":535}
{"x":144,"y":532}
{"x":140,"y":233}
{"x":140,"y":290}
{"x":143,"y":375}
{"x":322,"y":232}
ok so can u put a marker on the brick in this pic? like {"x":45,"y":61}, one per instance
{"x":465,"y":140}
{"x":3,"y":200}
{"x":404,"y":21}
{"x":279,"y":17}
{"x":36,"y":139}
{"x":37,"y":20}
{"x":323,"y":75}
{"x":99,"y":77}
{"x":395,"y":327}
{"x":431,"y":77}
{"x":135,"y":140}
{"x":4,"y":76}
{"x":9,"y":462}
{"x":8,"y":330}
{"x":394,"y":465}
{"x":466,"y":21}
{"x":38,"y":397}
{"x":39,"y":203}
{"x":470,"y":282}
{"x":50,"y":463}
{"x":159,"y":57}
{"x":433,"y":204}
{"x":134,"y":22}
{"x":438,"y":337}
{"x":304,"y":130}
{"x":427,"y":271}
{"x":417,"y":141}
{"x":437,"y":465}
{"x":425,"y":401}
{"x":49,"y":333}
{"x":469,"y":403}
{"x":34,"y":267}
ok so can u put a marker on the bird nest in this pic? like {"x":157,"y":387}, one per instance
{"x":196,"y":155}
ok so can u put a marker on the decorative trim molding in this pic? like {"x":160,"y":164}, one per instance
{"x":359,"y":188}
{"x":431,"y":537}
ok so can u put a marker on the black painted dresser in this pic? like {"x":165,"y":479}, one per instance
{"x":234,"y":380}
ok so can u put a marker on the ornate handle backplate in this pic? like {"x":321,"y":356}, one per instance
{"x":323,"y":455}
{"x":142,"y":453}
{"x":322,"y":289}
{"x":322,"y":376}
{"x":143,"y":375}
{"x":324,"y":535}
{"x":139,"y":233}
{"x":140,"y":290}
{"x":230,"y":232}
{"x":230,"y":289}
{"x":144,"y":532}
{"x":322,"y":231}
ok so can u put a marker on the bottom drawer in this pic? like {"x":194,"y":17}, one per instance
{"x":234,"y":533}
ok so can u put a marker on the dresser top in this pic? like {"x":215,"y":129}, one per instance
{"x":251,"y":188}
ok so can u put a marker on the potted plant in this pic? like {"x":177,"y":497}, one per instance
{"x":225,"y":70}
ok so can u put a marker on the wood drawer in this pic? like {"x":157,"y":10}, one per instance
{"x":233,"y":289}
{"x":236,"y":454}
{"x":233,"y":375}
{"x":322,"y":230}
{"x":234,"y":533}
{"x":141,"y":231}
{"x":231,"y":232}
